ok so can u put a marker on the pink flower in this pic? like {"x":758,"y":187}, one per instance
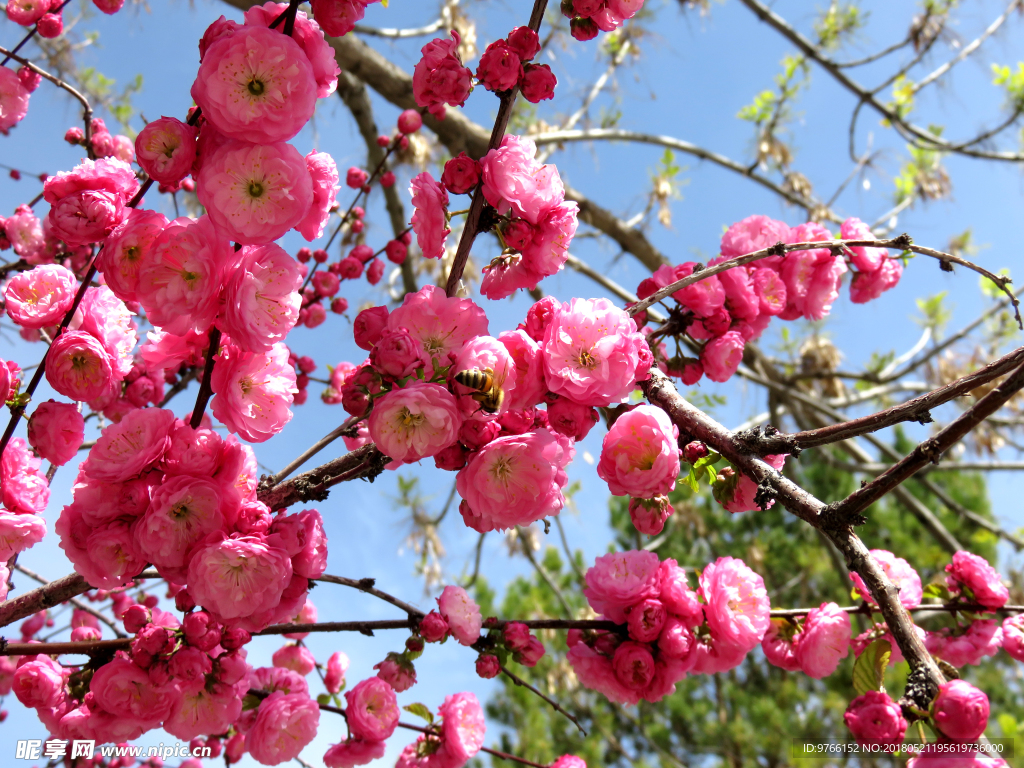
{"x":430,"y":201}
{"x":279,"y":679}
{"x":571,"y":419}
{"x":414,"y":422}
{"x":334,"y":678}
{"x":461,"y":613}
{"x":107,"y":318}
{"x":433,"y":628}
{"x":982,"y":638}
{"x":352,"y":752}
{"x":440,"y":78}
{"x":461,"y":174}
{"x":238,"y":576}
{"x":874,"y":718}
{"x":202,"y":712}
{"x":127,"y":248}
{"x":104,"y":555}
{"x":255,"y":193}
{"x":529,"y":370}
{"x":722,"y":356}
{"x":13,"y":94}
{"x":25,"y":232}
{"x":372,"y":710}
{"x":89,"y":201}
{"x":960,"y":711}
{"x":548,"y":249}
{"x":1013,"y":636}
{"x":539,"y":317}
{"x":513,"y":179}
{"x":284,"y":725}
{"x":310,"y":37}
{"x":595,"y":671}
{"x":899,"y":572}
{"x":26,"y":12}
{"x":442,"y":324}
{"x":261,"y":297}
{"x":736,"y":607}
{"x":179,"y":285}
{"x":253,"y":391}
{"x":397,"y":672}
{"x":569,"y":761}
{"x":779,"y":646}
{"x":297,"y":658}
{"x":980,"y":580}
{"x":369,"y":325}
{"x":646,"y":619}
{"x":737,"y":492}
{"x":500,"y":67}
{"x":256,"y":85}
{"x":823,"y":288}
{"x":770,"y":289}
{"x":754,"y":233}
{"x":463,"y":729}
{"x":39,"y":683}
{"x":397,"y":354}
{"x":633,"y":665}
{"x":640,"y":454}
{"x":515,"y":480}
{"x":538,"y":83}
{"x":56,"y":431}
{"x":505,"y":275}
{"x":867,"y":286}
{"x":484,"y":353}
{"x":592,"y":352}
{"x":302,"y":535}
{"x":77,"y":366}
{"x":130,"y":447}
{"x":324,"y":174}
{"x":166,"y":149}
{"x":40,"y":297}
{"x":122,"y":688}
{"x":741,"y":298}
{"x":865,"y":258}
{"x":620,"y":580}
{"x":18,"y":532}
{"x":339,"y":17}
{"x":824,"y":641}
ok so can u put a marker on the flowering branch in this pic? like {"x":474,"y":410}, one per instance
{"x":206,"y":387}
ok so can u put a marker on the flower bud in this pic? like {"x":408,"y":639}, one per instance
{"x":356,"y":177}
{"x":960,"y":711}
{"x":433,"y":627}
{"x":694,"y":451}
{"x":488,"y":666}
{"x":396,"y":251}
{"x":410,"y":121}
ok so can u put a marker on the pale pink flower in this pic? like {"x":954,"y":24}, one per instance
{"x":463,"y":729}
{"x":13,"y":95}
{"x":352,"y":752}
{"x":513,"y":179}
{"x":25,"y":232}
{"x":56,"y":431}
{"x":484,"y":353}
{"x":18,"y":532}
{"x":961,"y":711}
{"x":439,"y":77}
{"x":865,"y":258}
{"x":179,"y":284}
{"x":461,"y":613}
{"x":40,"y":297}
{"x":824,"y":640}
{"x":166,"y":149}
{"x":372,"y":710}
{"x":163,"y":350}
{"x":339,"y":17}
{"x":255,"y":193}
{"x":981,"y":580}
{"x":722,"y":356}
{"x":306,"y":615}
{"x":256,"y":85}
{"x":770,"y":289}
{"x":712,"y":654}
{"x":127,"y":248}
{"x":867,"y":286}
{"x":640,"y":454}
{"x":310,"y":37}
{"x":77,"y":366}
{"x":130,"y":447}
{"x":779,"y":646}
{"x":899,"y":572}
{"x":737,"y":606}
{"x":874,"y":718}
{"x":238,"y":576}
{"x":430,"y":203}
{"x":823,"y":289}
{"x":983,"y":638}
{"x":279,"y":679}
{"x":106,"y":317}
{"x":337,"y":666}
{"x":104,"y":555}
{"x":324,"y":175}
{"x":592,"y":352}
{"x":297,"y":658}
{"x":442,"y":324}
{"x":620,"y":580}
{"x":754,"y":233}
{"x":569,"y":761}
{"x":515,"y":480}
{"x":253,"y":391}
{"x":261,"y":297}
{"x":414,"y":422}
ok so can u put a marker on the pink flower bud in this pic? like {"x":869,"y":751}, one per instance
{"x":29,"y":79}
{"x":326,"y":283}
{"x":369,"y":326}
{"x":396,"y":251}
{"x":583,"y":29}
{"x":410,"y":121}
{"x":461,"y":174}
{"x":339,"y":306}
{"x":397,"y":672}
{"x":874,"y":718}
{"x":538,"y":83}
{"x":452,"y":458}
{"x":375,"y":272}
{"x":960,"y":711}
{"x":315,"y":315}
{"x":387,"y":180}
{"x":136,"y":617}
{"x":397,"y":354}
{"x":433,"y":627}
{"x":304,"y":255}
{"x":649,"y":515}
{"x":572,"y":419}
{"x":320,"y":256}
{"x":356,"y":177}
{"x":694,"y":451}
{"x":50,"y":25}
{"x":74,"y":135}
{"x":383,"y":141}
{"x":350,"y":268}
{"x":488,"y":666}
{"x":525,"y":42}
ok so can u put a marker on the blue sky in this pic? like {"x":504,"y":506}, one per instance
{"x":693,"y":75}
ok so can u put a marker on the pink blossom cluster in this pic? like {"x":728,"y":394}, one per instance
{"x":14,"y":95}
{"x":440,"y":79}
{"x":154,"y":490}
{"x":506,"y":65}
{"x":588,"y":17}
{"x":33,"y":240}
{"x":455,"y":742}
{"x":102,"y":141}
{"x":46,"y":15}
{"x":339,"y":17}
{"x":670,"y":629}
{"x":972,"y":579}
{"x":737,"y":492}
{"x":735,"y":306}
{"x":515,"y":641}
{"x":24,"y":492}
{"x":814,"y":646}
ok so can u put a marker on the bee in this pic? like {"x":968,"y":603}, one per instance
{"x":487,"y":385}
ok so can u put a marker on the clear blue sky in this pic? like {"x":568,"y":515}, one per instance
{"x":694,"y":73}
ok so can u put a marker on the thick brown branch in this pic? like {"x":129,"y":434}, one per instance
{"x":366,"y":462}
{"x":41,"y":598}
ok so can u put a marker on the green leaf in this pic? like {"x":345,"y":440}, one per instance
{"x":691,"y":480}
{"x":937,"y":590}
{"x":420,"y":710}
{"x":250,"y":702}
{"x":989,"y":288}
{"x":869,"y":669}
{"x":323,"y":698}
{"x":1008,"y":724}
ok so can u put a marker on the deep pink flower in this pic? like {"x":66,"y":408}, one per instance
{"x":515,"y":480}
{"x":737,"y":606}
{"x":77,"y":366}
{"x":961,"y":711}
{"x":339,"y":17}
{"x":981,"y":580}
{"x":461,"y":174}
{"x":865,"y":258}
{"x":874,"y":718}
{"x":900,"y":573}
{"x":13,"y":94}
{"x":372,"y":710}
{"x":500,"y":68}
{"x":824,"y":641}
{"x":572,"y":419}
{"x":620,"y":580}
{"x":513,"y":179}
{"x":254,"y":193}
{"x":442,"y":324}
{"x":430,"y":201}
{"x":633,"y":665}
{"x":867,"y":286}
{"x":722,"y":356}
{"x":261,"y":297}
{"x":285,"y":724}
{"x":1013,"y":636}
{"x":640,"y":454}
{"x":440,"y":78}
{"x":414,"y":422}
{"x":529,"y":369}
{"x":166,"y":149}
{"x":779,"y":646}
{"x":127,"y":248}
{"x":310,"y":37}
{"x":649,"y":515}
{"x":253,"y":391}
{"x":256,"y":85}
{"x":26,"y":12}
{"x":538,"y":83}
{"x":461,"y":613}
{"x":56,"y":431}
{"x":324,"y":174}
{"x":569,"y":761}
{"x":397,"y":354}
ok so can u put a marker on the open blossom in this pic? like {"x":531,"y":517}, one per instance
{"x":463,"y":729}
{"x":308,"y":34}
{"x":372,"y":710}
{"x":339,"y":17}
{"x":874,"y":718}
{"x":18,"y":532}
{"x":513,"y":179}
{"x":25,"y":232}
{"x":441,"y":324}
{"x":515,"y":480}
{"x":179,"y":284}
{"x":592,"y":353}
{"x":261,"y":297}
{"x":961,"y":710}
{"x":430,"y":201}
{"x":865,"y":258}
{"x":824,"y":641}
{"x":254,"y":391}
{"x":39,"y":683}
{"x":40,"y":297}
{"x":722,"y":356}
{"x":127,"y":248}
{"x":237,"y":576}
{"x":982,"y":638}
{"x":13,"y":96}
{"x":736,"y":607}
{"x":397,"y":354}
{"x":738,"y":493}
{"x":107,"y":318}
{"x":254,"y":193}
{"x":122,"y":688}
{"x":981,"y":579}
{"x":414,"y":422}
{"x":484,"y":353}
{"x":166,"y":149}
{"x":899,"y":572}
{"x":440,"y":78}
{"x":324,"y":174}
{"x":867,"y":286}
{"x":640,"y":454}
{"x":88,"y":202}
{"x":56,"y":431}
{"x":25,"y":489}
{"x":128,"y":448}
{"x":461,"y":613}
{"x":620,"y":580}
{"x":353,"y":752}
{"x":285,"y":724}
{"x":105,"y":555}
{"x":256,"y":85}
{"x":77,"y":366}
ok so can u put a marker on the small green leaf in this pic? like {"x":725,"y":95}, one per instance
{"x":323,"y":698}
{"x":250,"y":702}
{"x":420,"y":710}
{"x":937,"y":590}
{"x":691,"y":479}
{"x":1008,"y":724}
{"x":869,"y":669}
